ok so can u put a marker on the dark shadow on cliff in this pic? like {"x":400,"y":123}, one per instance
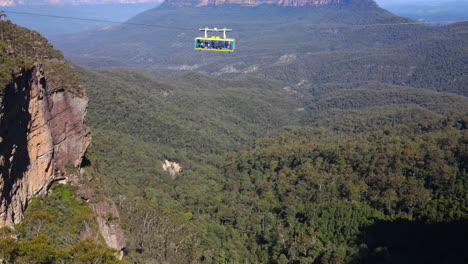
{"x":404,"y":241}
{"x":14,"y":130}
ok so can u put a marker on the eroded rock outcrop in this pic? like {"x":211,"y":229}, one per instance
{"x":43,"y":137}
{"x":42,"y":132}
{"x":42,"y":109}
{"x":108,"y":220}
{"x":172,"y":167}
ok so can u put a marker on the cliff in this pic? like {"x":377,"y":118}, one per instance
{"x":43,"y":137}
{"x":296,"y":3}
{"x":42,"y":109}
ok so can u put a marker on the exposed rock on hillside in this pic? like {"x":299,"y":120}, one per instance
{"x":266,"y":2}
{"x":42,"y":108}
{"x":108,"y":219}
{"x":172,"y":167}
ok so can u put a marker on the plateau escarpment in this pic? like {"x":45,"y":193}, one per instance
{"x":42,"y":109}
{"x":266,"y":2}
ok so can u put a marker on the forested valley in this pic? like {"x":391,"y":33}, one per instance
{"x":344,"y":181}
{"x":370,"y":173}
{"x":347,"y":145}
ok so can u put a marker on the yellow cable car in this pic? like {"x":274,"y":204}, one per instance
{"x":215,"y":43}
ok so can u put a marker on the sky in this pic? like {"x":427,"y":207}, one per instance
{"x":422,"y":10}
{"x":382,"y":2}
{"x":78,"y":2}
{"x":422,"y":2}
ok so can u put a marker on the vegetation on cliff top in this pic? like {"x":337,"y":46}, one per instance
{"x":40,"y":250}
{"x":9,"y":65}
{"x":20,"y":48}
{"x":58,"y":228}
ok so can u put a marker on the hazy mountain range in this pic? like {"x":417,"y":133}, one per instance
{"x":315,"y":44}
{"x":296,"y":3}
{"x":51,"y":26}
{"x":72,"y":2}
{"x":429,"y":11}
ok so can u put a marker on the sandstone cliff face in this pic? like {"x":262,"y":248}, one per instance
{"x":297,"y":3}
{"x":42,"y":134}
{"x":42,"y":131}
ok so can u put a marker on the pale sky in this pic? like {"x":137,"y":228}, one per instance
{"x":22,"y":2}
{"x":381,"y":2}
{"x":387,"y":2}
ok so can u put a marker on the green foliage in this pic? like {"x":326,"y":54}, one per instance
{"x":21,"y":47}
{"x":259,"y":183}
{"x":193,"y":116}
{"x":28,"y":43}
{"x":9,"y":65}
{"x":56,"y":229}
{"x":88,"y":251}
{"x":313,"y":192}
{"x":59,"y":216}
{"x":62,"y":73}
{"x":40,"y":250}
{"x":373,"y":152}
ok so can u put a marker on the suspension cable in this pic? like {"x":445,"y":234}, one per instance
{"x":192,"y":29}
{"x":100,"y":20}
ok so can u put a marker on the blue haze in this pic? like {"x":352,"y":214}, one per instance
{"x":422,"y":10}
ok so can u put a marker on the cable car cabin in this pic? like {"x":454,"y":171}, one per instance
{"x":216,"y":44}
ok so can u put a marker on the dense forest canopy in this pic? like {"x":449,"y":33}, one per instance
{"x":323,"y":186}
{"x":348,"y":145}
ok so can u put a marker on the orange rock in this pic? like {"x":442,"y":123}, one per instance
{"x":42,"y":131}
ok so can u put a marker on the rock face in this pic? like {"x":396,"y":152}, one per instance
{"x":42,"y":132}
{"x":42,"y":109}
{"x":43,"y":137}
{"x":108,"y":219}
{"x":198,"y":3}
{"x":172,"y":167}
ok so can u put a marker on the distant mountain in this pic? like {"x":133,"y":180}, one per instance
{"x":315,"y":45}
{"x":434,"y":11}
{"x":198,"y":3}
{"x":52,"y":26}
{"x":71,"y":2}
{"x":269,"y":26}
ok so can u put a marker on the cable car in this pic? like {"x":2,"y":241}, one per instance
{"x":215,"y":43}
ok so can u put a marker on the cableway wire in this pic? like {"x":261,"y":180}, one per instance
{"x":191,"y":29}
{"x":100,"y":20}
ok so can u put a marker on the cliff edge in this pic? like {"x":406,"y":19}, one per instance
{"x":42,"y":110}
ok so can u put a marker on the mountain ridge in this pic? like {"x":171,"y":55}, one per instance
{"x":193,"y":3}
{"x":294,"y":3}
{"x":318,"y":44}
